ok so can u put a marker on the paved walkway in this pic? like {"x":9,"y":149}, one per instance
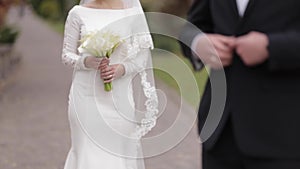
{"x":34,"y":131}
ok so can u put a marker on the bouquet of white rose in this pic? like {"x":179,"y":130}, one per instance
{"x":100,"y":44}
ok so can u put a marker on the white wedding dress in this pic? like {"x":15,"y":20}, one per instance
{"x":95,"y":114}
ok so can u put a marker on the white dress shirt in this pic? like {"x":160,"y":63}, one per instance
{"x":242,"y":5}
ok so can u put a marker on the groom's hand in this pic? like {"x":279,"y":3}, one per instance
{"x":216,"y":50}
{"x":252,"y":48}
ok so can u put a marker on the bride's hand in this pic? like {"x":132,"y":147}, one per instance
{"x":110,"y":72}
{"x":92,"y":62}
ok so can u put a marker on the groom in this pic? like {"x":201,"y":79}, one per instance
{"x":258,"y":43}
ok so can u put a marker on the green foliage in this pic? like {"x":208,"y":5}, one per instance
{"x":175,"y":7}
{"x":35,"y":4}
{"x":50,"y":9}
{"x":8,"y":34}
{"x":53,"y":10}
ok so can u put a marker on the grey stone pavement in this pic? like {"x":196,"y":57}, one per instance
{"x":34,"y":129}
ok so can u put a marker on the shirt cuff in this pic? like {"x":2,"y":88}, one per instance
{"x":194,"y":45}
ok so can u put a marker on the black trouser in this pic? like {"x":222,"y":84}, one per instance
{"x":226,"y":155}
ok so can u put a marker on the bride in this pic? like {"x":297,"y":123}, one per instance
{"x":106,"y":127}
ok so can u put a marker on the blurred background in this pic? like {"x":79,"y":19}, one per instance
{"x":34,"y":85}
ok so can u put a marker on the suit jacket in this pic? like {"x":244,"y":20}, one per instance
{"x":263,"y":102}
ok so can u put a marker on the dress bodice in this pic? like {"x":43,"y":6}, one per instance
{"x":82,"y":20}
{"x":99,"y":19}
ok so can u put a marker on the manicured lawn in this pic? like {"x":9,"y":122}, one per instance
{"x":177,"y":72}
{"x":57,"y":26}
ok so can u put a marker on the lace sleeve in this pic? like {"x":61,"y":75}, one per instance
{"x":140,"y":62}
{"x":70,"y":54}
{"x":138,"y":52}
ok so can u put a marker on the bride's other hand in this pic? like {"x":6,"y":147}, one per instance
{"x":111,"y":72}
{"x":92,"y":62}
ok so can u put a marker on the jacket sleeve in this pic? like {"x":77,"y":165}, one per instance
{"x":199,"y":22}
{"x":284,"y":50}
{"x":70,"y":56}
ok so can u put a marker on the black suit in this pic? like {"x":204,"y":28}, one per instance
{"x":263,"y":105}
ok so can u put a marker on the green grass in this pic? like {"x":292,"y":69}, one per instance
{"x":177,"y":73}
{"x":58,"y":26}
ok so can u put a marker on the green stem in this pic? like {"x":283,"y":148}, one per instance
{"x":108,"y":86}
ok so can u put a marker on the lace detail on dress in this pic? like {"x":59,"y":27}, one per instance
{"x":69,"y":60}
{"x":151,"y":104}
{"x":70,"y":54}
{"x":139,"y":42}
{"x":143,"y":41}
